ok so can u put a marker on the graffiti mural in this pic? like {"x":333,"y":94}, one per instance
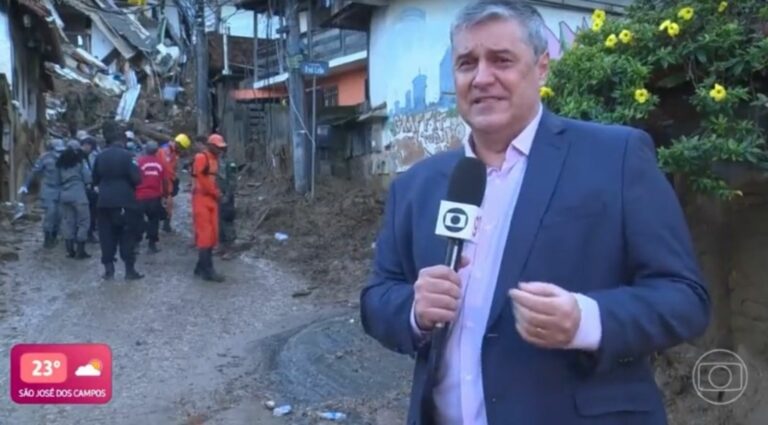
{"x":414,"y":75}
{"x":425,"y":133}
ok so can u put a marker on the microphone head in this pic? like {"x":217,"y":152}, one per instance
{"x":459,"y":212}
{"x":467,"y":184}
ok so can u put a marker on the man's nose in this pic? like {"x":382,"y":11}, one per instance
{"x":484,"y":75}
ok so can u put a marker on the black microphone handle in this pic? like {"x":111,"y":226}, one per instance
{"x":453,"y":253}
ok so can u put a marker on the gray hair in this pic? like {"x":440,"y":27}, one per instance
{"x":488,"y":10}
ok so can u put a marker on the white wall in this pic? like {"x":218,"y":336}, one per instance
{"x":6,"y":48}
{"x":100,"y":44}
{"x":410,"y":48}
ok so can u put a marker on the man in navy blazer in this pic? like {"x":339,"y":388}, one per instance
{"x":581,"y":268}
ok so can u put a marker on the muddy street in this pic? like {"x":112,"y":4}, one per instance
{"x":187,"y":351}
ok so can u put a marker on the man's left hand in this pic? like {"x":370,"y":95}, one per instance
{"x":546,"y":315}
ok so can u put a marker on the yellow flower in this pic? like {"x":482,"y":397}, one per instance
{"x":641,"y":95}
{"x":598,"y":15}
{"x":718,"y":93}
{"x":597,"y":25}
{"x":664,"y":25}
{"x":611,"y":41}
{"x":625,"y":36}
{"x":723,"y":5}
{"x":685,"y":13}
{"x":546,"y":92}
{"x":673,"y":29}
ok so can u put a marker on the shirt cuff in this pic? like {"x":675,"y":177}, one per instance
{"x":420,"y":335}
{"x":590,"y":330}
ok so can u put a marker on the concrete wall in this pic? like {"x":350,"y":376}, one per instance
{"x":410,"y":70}
{"x":351,"y":86}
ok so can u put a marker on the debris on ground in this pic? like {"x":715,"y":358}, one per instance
{"x":333,"y":416}
{"x":331,"y":236}
{"x":282,"y":410}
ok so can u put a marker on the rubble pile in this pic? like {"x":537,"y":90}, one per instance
{"x":329,"y":239}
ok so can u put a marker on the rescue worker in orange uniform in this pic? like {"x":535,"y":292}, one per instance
{"x":205,"y":206}
{"x":169,"y":154}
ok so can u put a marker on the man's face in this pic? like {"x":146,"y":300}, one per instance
{"x":86,"y":148}
{"x":497,"y":76}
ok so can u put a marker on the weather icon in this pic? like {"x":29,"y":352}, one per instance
{"x":93,"y":368}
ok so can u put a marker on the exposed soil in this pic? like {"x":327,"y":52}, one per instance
{"x":330,"y":238}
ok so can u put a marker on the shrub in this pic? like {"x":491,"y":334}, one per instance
{"x":693,"y":73}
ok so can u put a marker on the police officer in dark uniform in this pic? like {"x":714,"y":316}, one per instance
{"x":116,"y":174}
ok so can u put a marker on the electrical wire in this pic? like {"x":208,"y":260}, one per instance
{"x":291,"y":101}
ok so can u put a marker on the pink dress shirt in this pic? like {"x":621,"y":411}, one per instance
{"x":458,"y":394}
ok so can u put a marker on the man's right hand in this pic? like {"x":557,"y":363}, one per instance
{"x":437,"y":296}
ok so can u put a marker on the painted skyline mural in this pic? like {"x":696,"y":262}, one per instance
{"x":410,"y":69}
{"x":414,"y":100}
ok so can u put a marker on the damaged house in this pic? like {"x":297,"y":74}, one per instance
{"x":28,"y":40}
{"x":66,"y":65}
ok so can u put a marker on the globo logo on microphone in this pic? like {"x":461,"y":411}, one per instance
{"x":457,"y":220}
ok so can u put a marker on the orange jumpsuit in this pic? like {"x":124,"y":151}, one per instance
{"x":205,"y":200}
{"x":169,"y":157}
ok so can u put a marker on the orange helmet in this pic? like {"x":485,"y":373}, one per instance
{"x":216,"y":140}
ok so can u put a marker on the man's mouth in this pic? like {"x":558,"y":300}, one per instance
{"x":485,"y":100}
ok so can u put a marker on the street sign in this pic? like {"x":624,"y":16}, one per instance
{"x":316,"y":68}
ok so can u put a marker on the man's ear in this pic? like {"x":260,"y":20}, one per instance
{"x":542,"y":68}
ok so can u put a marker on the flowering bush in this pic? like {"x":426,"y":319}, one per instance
{"x":693,"y":73}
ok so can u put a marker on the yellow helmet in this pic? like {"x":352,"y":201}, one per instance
{"x":183,"y":140}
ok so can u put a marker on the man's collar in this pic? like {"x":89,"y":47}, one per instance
{"x":522,"y":142}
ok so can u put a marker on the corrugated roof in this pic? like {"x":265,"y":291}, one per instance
{"x":128,"y":27}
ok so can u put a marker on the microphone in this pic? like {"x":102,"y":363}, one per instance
{"x":457,"y":221}
{"x":457,"y":218}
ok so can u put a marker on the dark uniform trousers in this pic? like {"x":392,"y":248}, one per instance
{"x":118,"y":228}
{"x":151,"y":213}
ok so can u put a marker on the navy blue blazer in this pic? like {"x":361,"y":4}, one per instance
{"x":596,"y":216}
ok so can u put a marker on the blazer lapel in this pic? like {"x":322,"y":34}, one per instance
{"x":545,"y":161}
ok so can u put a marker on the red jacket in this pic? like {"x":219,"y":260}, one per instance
{"x":153,"y":177}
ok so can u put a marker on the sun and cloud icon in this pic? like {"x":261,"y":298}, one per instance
{"x":92,"y":368}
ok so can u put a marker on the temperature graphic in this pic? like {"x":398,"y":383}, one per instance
{"x":43,"y":368}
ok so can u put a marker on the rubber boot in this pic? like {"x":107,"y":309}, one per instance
{"x":48,"y":242}
{"x":70,"y":244}
{"x":81,"y":254}
{"x":55,"y":238}
{"x":153,"y":249}
{"x":109,"y":271}
{"x":167,"y":226}
{"x":209,"y":273}
{"x":131,"y":273}
{"x":200,"y":262}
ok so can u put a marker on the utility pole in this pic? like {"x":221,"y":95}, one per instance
{"x":255,"y":48}
{"x":313,"y":140}
{"x":297,"y":102}
{"x":201,"y":71}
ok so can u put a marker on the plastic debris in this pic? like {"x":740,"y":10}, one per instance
{"x":333,"y":416}
{"x":281,"y":236}
{"x":282,"y":410}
